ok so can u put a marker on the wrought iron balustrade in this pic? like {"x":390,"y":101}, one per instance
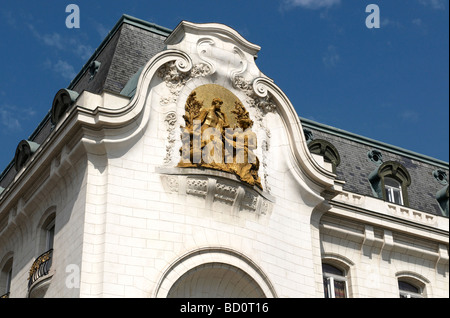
{"x":40,"y":267}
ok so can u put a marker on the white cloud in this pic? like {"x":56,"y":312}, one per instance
{"x":63,"y":43}
{"x":312,"y":4}
{"x":11,"y":117}
{"x":417,"y":22}
{"x":9,"y":18}
{"x":331,"y":56}
{"x":83,"y":51}
{"x":410,"y":116}
{"x":101,"y":30}
{"x":8,"y":119}
{"x":54,"y":40}
{"x":389,"y":22}
{"x":64,"y":69}
{"x":435,"y":4}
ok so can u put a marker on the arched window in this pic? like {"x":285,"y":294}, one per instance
{"x":390,"y":182}
{"x":46,"y":234}
{"x":334,"y":282}
{"x":408,"y":290}
{"x":5,"y":278}
{"x":325,"y":149}
{"x":393,"y":190}
{"x":50,"y":235}
{"x":46,"y":231}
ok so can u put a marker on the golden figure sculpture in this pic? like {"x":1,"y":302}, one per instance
{"x":210,"y":142}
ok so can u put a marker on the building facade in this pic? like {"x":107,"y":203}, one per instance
{"x":172,"y":166}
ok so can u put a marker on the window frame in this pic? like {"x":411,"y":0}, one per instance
{"x":410,"y":294}
{"x":393,"y":170}
{"x":330,"y":279}
{"x":8,"y":281}
{"x":50,"y":235}
{"x":392,"y":191}
{"x":6,"y":271}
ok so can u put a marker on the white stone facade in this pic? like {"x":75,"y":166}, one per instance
{"x":129,"y":223}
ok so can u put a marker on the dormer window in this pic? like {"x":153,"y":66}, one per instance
{"x":393,"y":190}
{"x":390,"y":182}
{"x":24,"y":151}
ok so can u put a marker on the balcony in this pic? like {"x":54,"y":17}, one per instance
{"x":40,"y":267}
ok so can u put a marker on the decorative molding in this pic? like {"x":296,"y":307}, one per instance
{"x":406,"y":213}
{"x":351,"y":198}
{"x":170,"y":121}
{"x":196,"y":186}
{"x":258,"y":98}
{"x":225,"y":193}
{"x":216,"y":186}
{"x":375,"y":156}
{"x":204,"y":47}
{"x":257,"y":94}
{"x":208,"y":255}
{"x":441,"y":176}
{"x":176,"y":74}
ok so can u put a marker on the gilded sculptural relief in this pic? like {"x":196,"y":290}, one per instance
{"x":218,"y":135}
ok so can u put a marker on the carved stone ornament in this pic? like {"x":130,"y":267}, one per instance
{"x":216,"y":187}
{"x":175,"y":79}
{"x":258,"y":97}
{"x":170,"y":120}
{"x":217,"y":134}
{"x":256,"y":93}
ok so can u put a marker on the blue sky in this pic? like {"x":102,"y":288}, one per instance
{"x":389,"y":83}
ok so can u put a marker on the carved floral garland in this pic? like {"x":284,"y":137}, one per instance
{"x":263,"y":105}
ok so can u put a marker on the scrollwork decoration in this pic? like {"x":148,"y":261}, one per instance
{"x":176,"y":74}
{"x":260,"y":99}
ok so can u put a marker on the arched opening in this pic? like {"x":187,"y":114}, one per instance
{"x":334,"y":281}
{"x":6,"y":277}
{"x":214,"y":272}
{"x":411,"y":285}
{"x":215,"y":280}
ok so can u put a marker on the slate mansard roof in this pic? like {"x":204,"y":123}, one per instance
{"x":115,"y":67}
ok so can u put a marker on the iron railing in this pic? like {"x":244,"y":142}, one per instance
{"x":40,"y":267}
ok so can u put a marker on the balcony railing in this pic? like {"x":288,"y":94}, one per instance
{"x":40,"y":267}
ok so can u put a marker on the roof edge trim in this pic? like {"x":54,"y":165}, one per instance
{"x":373,"y":143}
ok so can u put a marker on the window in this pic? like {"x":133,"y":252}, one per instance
{"x":408,"y":290}
{"x":393,"y":190}
{"x":334,"y":282}
{"x":390,"y":182}
{"x":325,"y":149}
{"x":50,"y":235}
{"x":46,"y":231}
{"x":5,"y":278}
{"x":8,"y":281}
